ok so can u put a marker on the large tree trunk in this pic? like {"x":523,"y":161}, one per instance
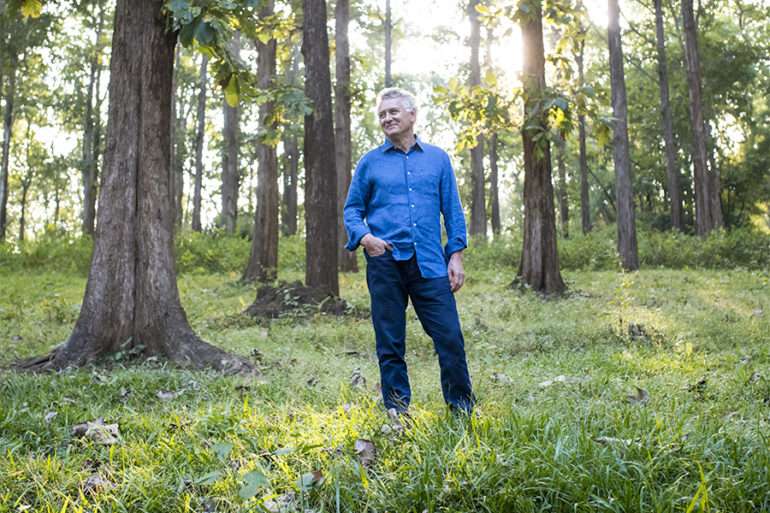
{"x":10,"y":94}
{"x":672,"y":171}
{"x":626,"y":223}
{"x":706,"y":217}
{"x":585,"y":200}
{"x":290,"y":175}
{"x":561,"y":169}
{"x":539,"y":267}
{"x":263,"y":261}
{"x":388,"y":44}
{"x":90,"y":150}
{"x":131,"y":301}
{"x":199,"y":138}
{"x":230,"y":156}
{"x":478,"y":225}
{"x":342,"y":136}
{"x":320,"y":167}
{"x":494,"y":185}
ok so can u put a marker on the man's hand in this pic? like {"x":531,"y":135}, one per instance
{"x":455,"y":270}
{"x":374,"y":245}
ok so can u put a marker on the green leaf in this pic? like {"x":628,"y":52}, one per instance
{"x":210,"y":478}
{"x":232,"y":91}
{"x":188,"y":32}
{"x":222,"y":449}
{"x":31,"y":8}
{"x":204,"y":33}
{"x":251,"y":484}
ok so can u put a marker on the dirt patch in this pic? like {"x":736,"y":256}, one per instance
{"x":296,"y":299}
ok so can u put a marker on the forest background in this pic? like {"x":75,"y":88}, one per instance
{"x":588,"y":141}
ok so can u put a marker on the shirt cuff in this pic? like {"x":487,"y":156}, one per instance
{"x":354,"y":239}
{"x":453,"y":246}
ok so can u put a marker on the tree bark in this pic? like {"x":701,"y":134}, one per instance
{"x":672,"y":170}
{"x":178,"y":144}
{"x":585,"y":200}
{"x":290,"y":175}
{"x":230,"y":156}
{"x":10,"y":96}
{"x":263,"y":261}
{"x":707,"y":218}
{"x":561,"y":169}
{"x":478,"y":224}
{"x":320,"y":166}
{"x":624,"y":195}
{"x":388,"y":44}
{"x":539,"y":267}
{"x":131,"y":301}
{"x":199,"y":138}
{"x":90,"y":150}
{"x":494,"y":185}
{"x":342,"y":136}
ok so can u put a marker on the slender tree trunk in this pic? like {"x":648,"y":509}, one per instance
{"x":131,"y":301}
{"x":290,"y":174}
{"x":10,"y":94}
{"x":715,"y":187}
{"x":672,"y":171}
{"x":320,"y":166}
{"x":494,"y":180}
{"x":388,"y":44}
{"x":539,"y":267}
{"x":230,"y":156}
{"x":199,"y":137}
{"x":26,"y":183}
{"x":90,"y":151}
{"x":342,"y":136}
{"x":478,"y":225}
{"x":263,"y":261}
{"x":173,"y":135}
{"x":179,"y":145}
{"x":561,"y":169}
{"x":624,"y":194}
{"x":705,"y":217}
{"x":585,"y":200}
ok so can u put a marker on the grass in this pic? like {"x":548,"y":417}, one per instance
{"x":695,"y":340}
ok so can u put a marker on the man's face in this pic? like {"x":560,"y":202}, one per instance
{"x":395,"y":120}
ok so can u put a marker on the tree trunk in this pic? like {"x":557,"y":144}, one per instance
{"x":672,"y":171}
{"x":199,"y":137}
{"x":342,"y":136}
{"x":585,"y":200}
{"x":388,"y":44}
{"x":263,"y":261}
{"x":10,"y":94}
{"x":131,"y":301}
{"x":320,"y":167}
{"x":173,"y":127}
{"x":478,"y":225}
{"x":624,"y":194}
{"x":706,"y":218}
{"x":290,"y":174}
{"x":230,"y":156}
{"x":539,"y":267}
{"x":561,"y":169}
{"x":178,"y":145}
{"x":715,"y":196}
{"x":26,"y":183}
{"x":494,"y":184}
{"x":89,"y":135}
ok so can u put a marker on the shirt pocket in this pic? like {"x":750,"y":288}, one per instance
{"x":426,"y":182}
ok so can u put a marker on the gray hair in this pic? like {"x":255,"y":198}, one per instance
{"x":407,"y":98}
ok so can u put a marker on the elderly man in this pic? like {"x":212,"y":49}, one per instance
{"x":392,"y":210}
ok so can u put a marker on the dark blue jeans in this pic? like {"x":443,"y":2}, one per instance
{"x":391,"y":283}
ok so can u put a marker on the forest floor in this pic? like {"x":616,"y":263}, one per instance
{"x":647,"y":391}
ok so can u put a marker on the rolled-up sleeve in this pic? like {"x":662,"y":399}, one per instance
{"x":354,"y":211}
{"x":452,"y":210}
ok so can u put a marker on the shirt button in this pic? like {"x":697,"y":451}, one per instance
{"x":411,"y":189}
{"x":412,"y":205}
{"x":414,"y":224}
{"x":415,"y":243}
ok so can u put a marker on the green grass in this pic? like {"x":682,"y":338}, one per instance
{"x":691,"y":447}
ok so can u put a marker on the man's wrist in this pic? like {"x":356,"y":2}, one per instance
{"x":457,"y":255}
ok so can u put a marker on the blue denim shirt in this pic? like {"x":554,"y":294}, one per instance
{"x":398,"y":197}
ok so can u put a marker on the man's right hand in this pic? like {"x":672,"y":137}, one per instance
{"x":374,"y":245}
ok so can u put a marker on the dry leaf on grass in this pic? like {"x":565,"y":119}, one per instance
{"x":98,"y":431}
{"x":641,"y":396}
{"x":165,"y":395}
{"x":281,"y":504}
{"x":567,"y":380}
{"x":357,"y":380}
{"x":366,"y":451}
{"x":95,"y":483}
{"x":50,"y":416}
{"x":502,"y":378}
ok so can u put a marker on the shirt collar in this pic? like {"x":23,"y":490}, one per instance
{"x":388,"y":145}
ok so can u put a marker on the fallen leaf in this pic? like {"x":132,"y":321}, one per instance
{"x":164,"y":395}
{"x":357,"y":379}
{"x":310,"y":480}
{"x":252,"y":481}
{"x":755,"y":378}
{"x":124,"y":393}
{"x":569,"y":380}
{"x":698,"y":387}
{"x":366,"y":451}
{"x":503,"y":379}
{"x":98,"y":431}
{"x":50,"y":416}
{"x":312,"y":381}
{"x":758,"y":312}
{"x":95,"y":482}
{"x":641,"y":396}
{"x":610,"y":440}
{"x":280,"y":504}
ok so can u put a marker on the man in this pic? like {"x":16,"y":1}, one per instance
{"x":392,"y":210}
